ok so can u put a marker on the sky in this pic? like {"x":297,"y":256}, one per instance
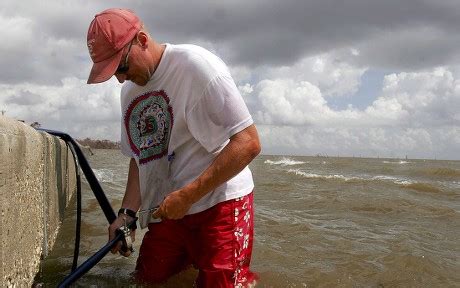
{"x":363,"y":78}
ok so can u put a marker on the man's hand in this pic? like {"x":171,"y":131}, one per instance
{"x":174,"y":206}
{"x":119,"y":222}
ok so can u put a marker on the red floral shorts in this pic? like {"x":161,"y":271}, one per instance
{"x":217,"y":241}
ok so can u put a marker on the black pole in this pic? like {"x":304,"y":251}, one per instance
{"x":90,"y":262}
{"x":103,"y":202}
{"x":89,"y":174}
{"x":76,"y":250}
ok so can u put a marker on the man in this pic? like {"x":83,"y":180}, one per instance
{"x":190,"y":138}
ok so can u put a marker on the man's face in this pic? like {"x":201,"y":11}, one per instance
{"x":123,"y":67}
{"x":134,"y":67}
{"x":123,"y":70}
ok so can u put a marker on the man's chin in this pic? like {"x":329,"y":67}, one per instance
{"x":139,"y":82}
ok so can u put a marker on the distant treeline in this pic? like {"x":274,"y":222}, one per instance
{"x":99,"y":144}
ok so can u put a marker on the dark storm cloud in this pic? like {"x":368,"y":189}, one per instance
{"x":280,"y":32}
{"x":43,"y":42}
{"x":392,"y":34}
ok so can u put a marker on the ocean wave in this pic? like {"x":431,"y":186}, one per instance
{"x":455,"y":184}
{"x":396,"y":162}
{"x":423,"y":187}
{"x":284,"y":162}
{"x":404,"y":183}
{"x":394,"y":180}
{"x":104,"y":175}
{"x":443,"y":172}
{"x":380,"y":208}
{"x":327,"y":177}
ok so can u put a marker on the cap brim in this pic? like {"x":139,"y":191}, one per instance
{"x":102,"y":71}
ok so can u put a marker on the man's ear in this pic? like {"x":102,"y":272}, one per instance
{"x":142,"y":39}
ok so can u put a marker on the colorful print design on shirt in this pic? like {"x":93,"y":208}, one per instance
{"x":148,"y":122}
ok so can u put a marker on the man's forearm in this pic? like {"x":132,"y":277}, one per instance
{"x":239,"y":152}
{"x":132,"y":201}
{"x":132,"y":198}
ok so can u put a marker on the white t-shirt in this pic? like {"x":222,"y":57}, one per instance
{"x":177,"y":124}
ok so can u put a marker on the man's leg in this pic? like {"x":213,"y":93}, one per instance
{"x":223,"y":244}
{"x":162,"y":253}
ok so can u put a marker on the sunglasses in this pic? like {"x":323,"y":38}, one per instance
{"x":124,"y":67}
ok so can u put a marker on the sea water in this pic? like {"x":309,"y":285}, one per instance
{"x":319,"y":222}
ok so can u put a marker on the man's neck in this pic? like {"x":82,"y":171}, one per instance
{"x":157,"y":54}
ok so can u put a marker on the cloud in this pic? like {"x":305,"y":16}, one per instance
{"x":24,"y":98}
{"x":285,"y":102}
{"x":415,"y":113}
{"x":358,"y":142}
{"x":391,"y":34}
{"x":45,"y":41}
{"x":430,"y":98}
{"x":75,"y":107}
{"x":293,"y":61}
{"x":328,"y":71}
{"x":414,"y":48}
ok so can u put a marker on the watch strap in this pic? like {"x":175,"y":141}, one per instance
{"x":127,"y":211}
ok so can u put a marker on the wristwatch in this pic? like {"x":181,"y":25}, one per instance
{"x":131,"y":214}
{"x":127,"y":211}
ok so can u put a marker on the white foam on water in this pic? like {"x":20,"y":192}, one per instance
{"x":456,"y":183}
{"x":396,"y":162}
{"x":284,"y":162}
{"x":313,"y":175}
{"x":104,"y":175}
{"x":395,"y":180}
{"x":404,"y":182}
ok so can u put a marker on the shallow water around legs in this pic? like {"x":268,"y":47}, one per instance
{"x":319,"y":222}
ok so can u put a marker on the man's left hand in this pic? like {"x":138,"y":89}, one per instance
{"x":174,"y":206}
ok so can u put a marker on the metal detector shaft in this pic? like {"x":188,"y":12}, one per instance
{"x":90,"y":262}
{"x":103,"y":202}
{"x":89,"y":174}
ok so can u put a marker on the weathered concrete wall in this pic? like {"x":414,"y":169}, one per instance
{"x":37,"y":180}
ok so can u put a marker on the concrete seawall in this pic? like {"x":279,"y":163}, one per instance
{"x":37,"y":181}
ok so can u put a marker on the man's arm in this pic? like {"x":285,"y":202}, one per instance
{"x":242,"y":148}
{"x":131,"y":200}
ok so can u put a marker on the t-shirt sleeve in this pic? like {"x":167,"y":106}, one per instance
{"x":219,"y":114}
{"x":124,"y":143}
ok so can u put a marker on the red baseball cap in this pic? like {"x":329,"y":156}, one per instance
{"x":108,"y":34}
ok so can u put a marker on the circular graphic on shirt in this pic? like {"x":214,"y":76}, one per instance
{"x":148,"y":122}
